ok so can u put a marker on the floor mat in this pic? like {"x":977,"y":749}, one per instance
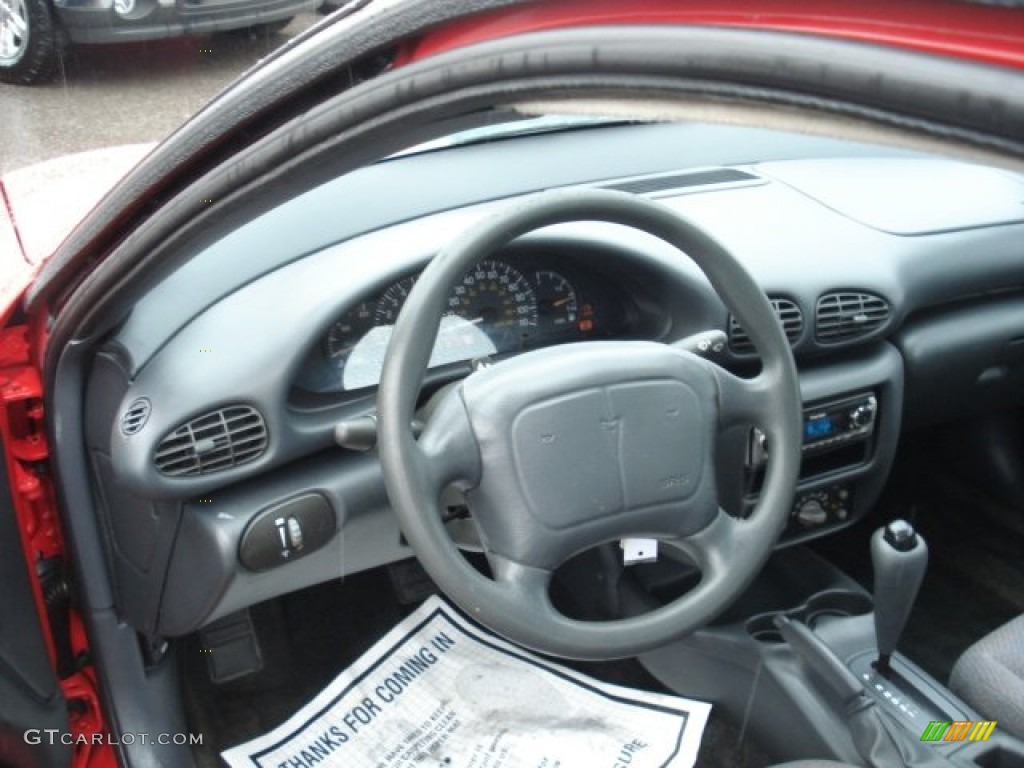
{"x":309,"y":637}
{"x":440,"y":690}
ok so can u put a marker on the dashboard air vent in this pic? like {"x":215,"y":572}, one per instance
{"x":651,"y":184}
{"x":212,"y":442}
{"x":790,"y":316}
{"x":843,"y":316}
{"x":135,"y":417}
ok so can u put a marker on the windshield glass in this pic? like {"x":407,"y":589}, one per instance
{"x":88,"y":89}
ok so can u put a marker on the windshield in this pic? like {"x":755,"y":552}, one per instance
{"x":88,"y":89}
{"x":75,"y":79}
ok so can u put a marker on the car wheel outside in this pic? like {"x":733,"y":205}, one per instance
{"x":29,"y":41}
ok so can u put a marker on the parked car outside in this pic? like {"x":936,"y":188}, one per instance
{"x":35,"y":34}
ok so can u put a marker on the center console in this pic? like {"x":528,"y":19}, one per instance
{"x":851,"y":422}
{"x":784,"y":693}
{"x":837,"y":437}
{"x":768,"y":660}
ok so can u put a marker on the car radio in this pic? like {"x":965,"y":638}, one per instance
{"x":827,"y":426}
{"x":839,"y":422}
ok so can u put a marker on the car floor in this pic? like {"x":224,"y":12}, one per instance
{"x":306,"y":639}
{"x":309,"y":637}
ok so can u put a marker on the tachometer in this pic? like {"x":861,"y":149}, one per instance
{"x":391,"y":302}
{"x":557,"y":306}
{"x":496,"y":298}
{"x":348,"y":331}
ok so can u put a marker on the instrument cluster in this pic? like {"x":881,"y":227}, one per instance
{"x":499,"y":308}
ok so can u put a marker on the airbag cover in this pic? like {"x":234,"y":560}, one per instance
{"x":601,"y":451}
{"x":591,"y":442}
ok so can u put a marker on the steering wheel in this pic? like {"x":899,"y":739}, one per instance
{"x":561,"y":449}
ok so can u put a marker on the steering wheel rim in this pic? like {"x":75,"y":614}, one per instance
{"x":465,"y":438}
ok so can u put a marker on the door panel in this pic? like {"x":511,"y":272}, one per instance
{"x":30,"y":697}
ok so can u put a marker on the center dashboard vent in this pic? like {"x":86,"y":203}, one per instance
{"x":213,"y":442}
{"x":790,"y":317}
{"x":847,"y":315}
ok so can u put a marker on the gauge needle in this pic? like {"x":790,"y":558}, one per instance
{"x":451,"y":328}
{"x":560,"y":302}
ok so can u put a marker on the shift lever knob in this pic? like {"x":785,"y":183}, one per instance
{"x":899,"y":557}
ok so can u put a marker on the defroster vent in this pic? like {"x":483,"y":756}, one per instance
{"x":846,"y":315}
{"x":790,"y":316}
{"x":213,"y":442}
{"x":679,"y":181}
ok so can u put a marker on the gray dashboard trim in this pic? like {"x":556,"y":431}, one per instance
{"x":248,"y":347}
{"x":336,"y":211}
{"x":205,"y":580}
{"x":919,"y":197}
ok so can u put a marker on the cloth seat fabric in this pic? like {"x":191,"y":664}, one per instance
{"x":990,"y":676}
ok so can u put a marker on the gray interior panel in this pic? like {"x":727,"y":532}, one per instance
{"x":240,"y":340}
{"x":206,"y":580}
{"x":906,"y":203}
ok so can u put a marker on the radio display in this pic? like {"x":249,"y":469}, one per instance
{"x":818,"y":429}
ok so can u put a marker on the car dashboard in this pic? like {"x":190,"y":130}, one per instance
{"x":231,"y":417}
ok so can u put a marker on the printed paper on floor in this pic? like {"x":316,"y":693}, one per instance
{"x":438,"y":691}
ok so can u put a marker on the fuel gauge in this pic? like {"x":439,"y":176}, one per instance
{"x":557,"y":307}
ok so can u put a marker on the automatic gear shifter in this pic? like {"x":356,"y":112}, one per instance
{"x":899,"y":557}
{"x":881,"y":736}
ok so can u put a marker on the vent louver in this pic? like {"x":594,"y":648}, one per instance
{"x":682,"y":181}
{"x":135,"y":417}
{"x":842,"y":316}
{"x":790,"y":316}
{"x":213,"y":442}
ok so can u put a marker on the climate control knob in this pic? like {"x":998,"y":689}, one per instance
{"x":811,"y":512}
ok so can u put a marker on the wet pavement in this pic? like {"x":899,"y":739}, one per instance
{"x":107,"y":95}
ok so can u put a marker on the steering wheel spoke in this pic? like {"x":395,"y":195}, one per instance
{"x":741,"y":401}
{"x":447,"y":450}
{"x":713,"y":547}
{"x":526,"y":581}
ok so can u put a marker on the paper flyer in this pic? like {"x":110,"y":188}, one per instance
{"x":439,"y":691}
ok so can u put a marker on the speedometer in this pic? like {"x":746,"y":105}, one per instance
{"x":496,"y":298}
